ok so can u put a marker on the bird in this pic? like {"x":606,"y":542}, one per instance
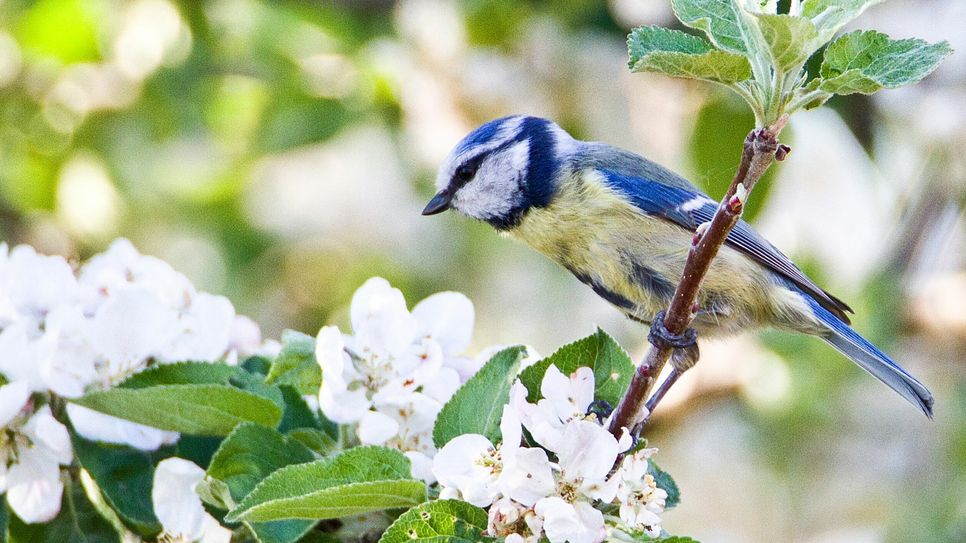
{"x":623,"y":225}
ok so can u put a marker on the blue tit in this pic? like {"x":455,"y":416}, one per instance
{"x":623,"y":225}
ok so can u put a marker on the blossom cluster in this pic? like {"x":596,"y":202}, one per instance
{"x":551,"y":489}
{"x":66,"y":331}
{"x":392,"y":375}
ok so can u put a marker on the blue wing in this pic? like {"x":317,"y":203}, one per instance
{"x":690,"y":208}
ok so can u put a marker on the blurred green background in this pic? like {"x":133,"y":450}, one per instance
{"x":279,"y":152}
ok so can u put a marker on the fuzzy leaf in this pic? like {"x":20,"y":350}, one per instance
{"x":317,"y":440}
{"x":298,"y":414}
{"x":477,"y":406}
{"x":248,"y":455}
{"x":723,"y":21}
{"x":791,"y":39}
{"x":295,"y":365}
{"x":125,"y":476}
{"x":829,"y":16}
{"x":677,"y":54}
{"x":204,"y":409}
{"x":182,"y":373}
{"x":612,"y":367}
{"x":444,"y":521}
{"x":664,"y":481}
{"x":78,"y":520}
{"x":360,"y":480}
{"x":868,"y":61}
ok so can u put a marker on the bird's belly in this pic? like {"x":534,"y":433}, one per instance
{"x":635,"y":262}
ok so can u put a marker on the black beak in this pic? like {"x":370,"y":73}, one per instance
{"x":439,"y":203}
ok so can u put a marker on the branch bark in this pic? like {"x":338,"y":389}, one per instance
{"x":760,"y":150}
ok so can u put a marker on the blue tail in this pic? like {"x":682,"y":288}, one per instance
{"x":848,"y":342}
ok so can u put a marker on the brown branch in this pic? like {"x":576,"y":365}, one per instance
{"x":761,"y":148}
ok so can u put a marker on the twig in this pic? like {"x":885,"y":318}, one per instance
{"x":761,"y":148}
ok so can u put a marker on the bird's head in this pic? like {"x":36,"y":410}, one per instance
{"x":502,"y":169}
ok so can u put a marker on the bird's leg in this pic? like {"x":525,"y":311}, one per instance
{"x":683,"y":358}
{"x":681,"y":361}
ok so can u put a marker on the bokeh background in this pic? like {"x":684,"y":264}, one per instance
{"x":279,"y":152}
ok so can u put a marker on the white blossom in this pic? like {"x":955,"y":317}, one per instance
{"x":31,"y":453}
{"x":565,"y":522}
{"x":471,"y":465}
{"x":564,"y":399}
{"x":530,"y":497}
{"x":393,"y":374}
{"x":481,"y":471}
{"x":640,"y":498}
{"x":66,"y":334}
{"x":178,"y":507}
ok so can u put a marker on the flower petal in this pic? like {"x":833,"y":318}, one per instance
{"x":176,"y":504}
{"x":48,"y":433}
{"x":97,"y":426}
{"x":422,"y":466}
{"x":446,"y":317}
{"x":69,"y":365}
{"x":330,"y":354}
{"x":343,"y":407}
{"x":130,"y":327}
{"x":380,"y":319}
{"x":443,"y":386}
{"x":588,"y":451}
{"x":376,"y":428}
{"x":458,"y":465}
{"x":527,"y":476}
{"x":34,"y":487}
{"x":202,"y":332}
{"x":568,"y":396}
{"x":13,"y":396}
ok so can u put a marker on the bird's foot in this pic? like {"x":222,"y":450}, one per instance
{"x":600,"y":409}
{"x":685,"y":345}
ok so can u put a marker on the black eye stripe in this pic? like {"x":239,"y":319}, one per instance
{"x":466,"y":171}
{"x":473,"y":164}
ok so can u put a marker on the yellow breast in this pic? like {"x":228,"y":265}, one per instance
{"x":598,"y":235}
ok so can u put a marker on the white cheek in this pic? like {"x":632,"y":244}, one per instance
{"x":496,"y":189}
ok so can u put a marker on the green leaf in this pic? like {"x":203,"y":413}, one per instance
{"x":723,"y":21}
{"x":190,"y":397}
{"x":477,"y":406}
{"x":257,"y":364}
{"x":339,"y":501}
{"x":359,"y":480}
{"x":77,"y":521}
{"x":868,"y":61}
{"x":666,"y":482}
{"x":198,"y":449}
{"x":298,"y":415}
{"x":125,"y":477}
{"x":649,"y":39}
{"x":317,"y":440}
{"x":444,"y":521}
{"x":829,"y":16}
{"x":182,"y":373}
{"x":791,"y":39}
{"x":612,"y":366}
{"x":677,"y":54}
{"x":205,"y":409}
{"x":248,"y":455}
{"x":295,"y":365}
